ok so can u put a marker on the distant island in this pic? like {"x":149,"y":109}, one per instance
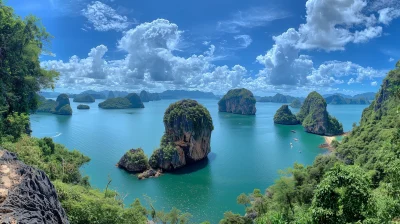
{"x":84,"y":98}
{"x":339,"y":99}
{"x":185,"y":94}
{"x":278,"y":98}
{"x":147,"y":97}
{"x":238,"y":101}
{"x":315,"y":118}
{"x":284,"y":116}
{"x":130,"y":101}
{"x":61,"y":106}
{"x":83,"y":107}
{"x":295,"y":104}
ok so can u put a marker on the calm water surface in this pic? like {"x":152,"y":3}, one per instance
{"x":247,"y":152}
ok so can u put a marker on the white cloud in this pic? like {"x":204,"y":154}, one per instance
{"x":374,"y":83}
{"x":253,"y":17}
{"x":104,"y":18}
{"x":245,"y":40}
{"x":386,"y":15}
{"x":391,"y":59}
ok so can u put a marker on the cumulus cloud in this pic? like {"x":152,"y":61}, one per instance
{"x":330,"y":25}
{"x":104,"y":18}
{"x":245,"y":40}
{"x":150,"y":62}
{"x":374,"y":83}
{"x":253,"y":17}
{"x":391,"y":59}
{"x":386,"y":15}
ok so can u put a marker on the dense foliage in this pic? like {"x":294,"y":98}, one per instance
{"x":130,"y":101}
{"x":244,"y":95}
{"x":84,"y":98}
{"x":295,"y":104}
{"x":83,"y":107}
{"x":284,"y":116}
{"x":21,"y":77}
{"x":358,"y":183}
{"x":315,"y":118}
{"x":135,"y":100}
{"x":116,"y":103}
{"x":188,"y":114}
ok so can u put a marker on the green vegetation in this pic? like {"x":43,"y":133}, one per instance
{"x":116,"y":103}
{"x":130,"y":101}
{"x":284,"y":116}
{"x":358,"y":183}
{"x":21,"y":77}
{"x":238,"y":101}
{"x":46,"y":106}
{"x":134,"y":161}
{"x":83,"y":107}
{"x":295,"y":104}
{"x":315,"y":118}
{"x":61,"y":106}
{"x":184,"y":111}
{"x":84,"y":98}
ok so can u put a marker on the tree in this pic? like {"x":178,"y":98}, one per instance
{"x":243,"y":199}
{"x":21,"y":77}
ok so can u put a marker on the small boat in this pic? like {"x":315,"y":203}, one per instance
{"x":293,"y":131}
{"x":295,"y":139}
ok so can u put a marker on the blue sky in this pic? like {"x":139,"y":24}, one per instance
{"x":283,"y":46}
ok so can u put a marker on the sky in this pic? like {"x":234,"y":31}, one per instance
{"x":277,"y":46}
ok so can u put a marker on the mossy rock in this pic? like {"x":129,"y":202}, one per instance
{"x":134,"y":161}
{"x":284,"y":116}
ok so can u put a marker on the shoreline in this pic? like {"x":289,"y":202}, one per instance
{"x":328,"y":141}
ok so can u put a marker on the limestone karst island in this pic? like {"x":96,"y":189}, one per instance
{"x":207,"y":112}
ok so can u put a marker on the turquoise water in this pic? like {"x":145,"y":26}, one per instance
{"x":247,"y":152}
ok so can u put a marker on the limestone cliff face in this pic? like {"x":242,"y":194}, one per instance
{"x":188,"y":127}
{"x":26,"y":194}
{"x":315,"y":118}
{"x":238,"y":101}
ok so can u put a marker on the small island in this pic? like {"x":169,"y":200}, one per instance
{"x":84,"y":98}
{"x":315,"y":118}
{"x":188,"y":127}
{"x":134,"y":161}
{"x":130,"y":101}
{"x":295,"y":104}
{"x":238,"y":101}
{"x":284,"y":116}
{"x":83,"y":107}
{"x":61,"y":106}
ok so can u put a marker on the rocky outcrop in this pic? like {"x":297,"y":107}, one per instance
{"x":84,"y":98}
{"x":238,"y":101}
{"x":61,"y":106}
{"x":130,"y":101}
{"x":147,"y":97}
{"x":315,"y":118}
{"x":150,"y":173}
{"x":188,"y":127}
{"x":26,"y":194}
{"x":83,"y":107}
{"x":134,"y":161}
{"x":284,"y":116}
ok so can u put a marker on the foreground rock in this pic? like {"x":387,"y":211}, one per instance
{"x":284,"y":116}
{"x":150,"y":173}
{"x":61,"y":106}
{"x":130,"y":101}
{"x":315,"y":118}
{"x":134,"y":161}
{"x":26,"y":194}
{"x":238,"y":101}
{"x":188,"y":127}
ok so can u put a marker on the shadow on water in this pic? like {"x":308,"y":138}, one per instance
{"x":194,"y":167}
